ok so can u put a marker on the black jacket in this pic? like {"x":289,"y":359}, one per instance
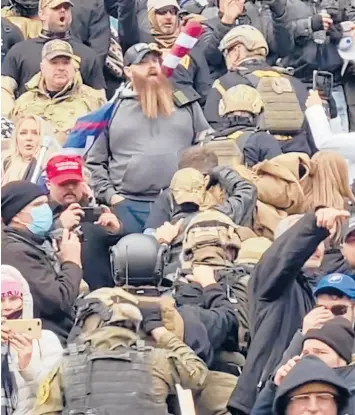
{"x":23,"y":62}
{"x":196,"y":72}
{"x":264,"y":402}
{"x":295,"y":33}
{"x":239,"y":205}
{"x":257,"y":14}
{"x":211,"y":307}
{"x":302,"y":142}
{"x":96,"y":244}
{"x":10,"y":35}
{"x":54,"y":292}
{"x":91,"y":26}
{"x":279,"y":298}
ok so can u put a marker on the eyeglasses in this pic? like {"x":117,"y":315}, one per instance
{"x":323,"y":400}
{"x":164,"y":11}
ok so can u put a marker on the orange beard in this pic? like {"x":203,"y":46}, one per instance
{"x":154,"y":93}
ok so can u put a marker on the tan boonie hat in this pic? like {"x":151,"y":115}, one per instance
{"x":159,"y":4}
{"x":52,"y":4}
{"x":246,"y":35}
{"x":55,"y":48}
{"x":188,"y":185}
{"x":240,"y":98}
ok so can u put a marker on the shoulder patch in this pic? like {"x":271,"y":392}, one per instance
{"x":185,"y":61}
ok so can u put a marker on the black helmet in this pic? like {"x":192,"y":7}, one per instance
{"x":138,"y":260}
{"x":26,"y":8}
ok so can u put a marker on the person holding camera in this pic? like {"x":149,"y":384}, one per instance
{"x":26,"y":356}
{"x":70,"y":201}
{"x":54,"y":278}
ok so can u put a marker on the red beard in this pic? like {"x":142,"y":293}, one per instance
{"x":154,"y":93}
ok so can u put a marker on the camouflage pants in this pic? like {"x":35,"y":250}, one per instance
{"x":211,"y":390}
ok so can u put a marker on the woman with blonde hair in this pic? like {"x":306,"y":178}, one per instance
{"x":25,"y":145}
{"x":328,"y":182}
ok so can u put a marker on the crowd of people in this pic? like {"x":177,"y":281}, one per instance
{"x":178,"y":207}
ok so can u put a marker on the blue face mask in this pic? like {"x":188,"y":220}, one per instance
{"x":42,"y":220}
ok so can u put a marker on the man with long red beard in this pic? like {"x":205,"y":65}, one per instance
{"x":137,"y":155}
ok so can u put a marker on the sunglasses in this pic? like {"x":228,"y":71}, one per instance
{"x":166,"y":10}
{"x":339,"y":309}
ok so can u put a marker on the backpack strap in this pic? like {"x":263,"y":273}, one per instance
{"x":217,"y":85}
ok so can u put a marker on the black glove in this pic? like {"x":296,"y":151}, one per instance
{"x":226,"y":177}
{"x":151,"y":317}
{"x":317,"y":23}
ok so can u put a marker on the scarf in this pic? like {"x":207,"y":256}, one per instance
{"x":8,"y":383}
{"x":163,"y":41}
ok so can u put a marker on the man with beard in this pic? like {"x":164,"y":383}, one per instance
{"x":137,"y":155}
{"x":69,"y":200}
{"x":164,"y":23}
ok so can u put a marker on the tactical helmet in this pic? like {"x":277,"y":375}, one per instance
{"x":240,"y":98}
{"x":248,"y":36}
{"x":26,"y":8}
{"x":138,"y":260}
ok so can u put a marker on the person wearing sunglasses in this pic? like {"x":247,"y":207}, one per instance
{"x":160,"y":22}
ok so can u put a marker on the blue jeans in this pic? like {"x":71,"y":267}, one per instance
{"x":342,"y":107}
{"x":133,"y":215}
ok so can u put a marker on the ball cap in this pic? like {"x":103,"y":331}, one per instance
{"x":188,"y":186}
{"x":339,"y":282}
{"x":52,"y":4}
{"x":55,"y":48}
{"x":349,"y":230}
{"x":61,"y":169}
{"x":136,"y":53}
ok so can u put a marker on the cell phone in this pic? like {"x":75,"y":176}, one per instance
{"x":31,"y":327}
{"x":92,"y":214}
{"x":323,"y":82}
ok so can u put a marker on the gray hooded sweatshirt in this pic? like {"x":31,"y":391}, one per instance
{"x":137,"y":157}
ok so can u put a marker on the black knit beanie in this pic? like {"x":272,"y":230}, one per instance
{"x":15,"y":196}
{"x":337,"y":334}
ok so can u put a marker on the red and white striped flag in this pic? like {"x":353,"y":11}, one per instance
{"x":186,"y":40}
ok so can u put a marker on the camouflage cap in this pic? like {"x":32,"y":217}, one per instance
{"x":57,"y":47}
{"x":246,"y":35}
{"x":240,"y":98}
{"x":52,"y":4}
{"x":188,"y":186}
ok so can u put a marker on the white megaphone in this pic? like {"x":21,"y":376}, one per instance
{"x":346,"y":47}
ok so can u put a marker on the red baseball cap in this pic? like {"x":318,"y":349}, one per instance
{"x":61,"y":169}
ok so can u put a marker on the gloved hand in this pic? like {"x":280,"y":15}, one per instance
{"x":152,"y":318}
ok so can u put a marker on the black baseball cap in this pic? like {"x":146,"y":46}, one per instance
{"x":135,"y":54}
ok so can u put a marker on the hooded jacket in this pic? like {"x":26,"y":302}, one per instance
{"x":309,"y":370}
{"x":47,"y":353}
{"x":54,"y":290}
{"x":264,"y":402}
{"x":137,"y":157}
{"x":279,"y":297}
